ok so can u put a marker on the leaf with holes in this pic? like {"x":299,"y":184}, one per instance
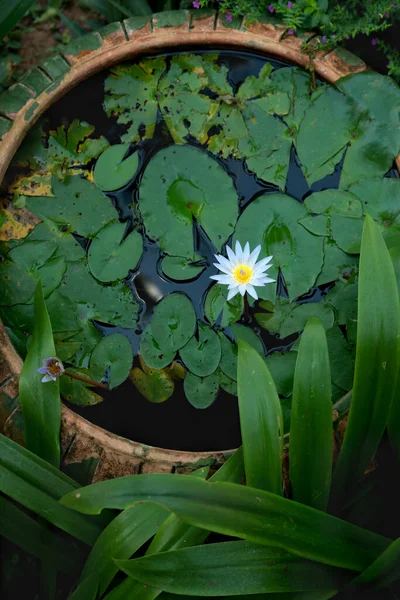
{"x":201,"y":356}
{"x":201,"y":391}
{"x":154,"y":385}
{"x":113,"y":353}
{"x":111,"y":255}
{"x":76,"y":391}
{"x":113,"y":169}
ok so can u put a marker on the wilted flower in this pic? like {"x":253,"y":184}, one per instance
{"x":52,"y":368}
{"x":241,"y":272}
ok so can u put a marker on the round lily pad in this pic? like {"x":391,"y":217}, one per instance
{"x":156,"y":386}
{"x":113,"y":352}
{"x":272,"y":221}
{"x":287,"y":317}
{"x":241,"y":332}
{"x":226,"y":383}
{"x":216,"y":303}
{"x":174,"y":321}
{"x":201,"y":391}
{"x":179,"y":185}
{"x":202,"y":356}
{"x":155,"y":355}
{"x":228,"y":364}
{"x":110,"y":258}
{"x":180,"y":269}
{"x":113,"y":170}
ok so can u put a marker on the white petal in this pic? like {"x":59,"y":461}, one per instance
{"x":232,"y":256}
{"x":232,"y":292}
{"x":47,"y":378}
{"x":223,"y":261}
{"x":252,"y":291}
{"x":221,"y":268}
{"x":262,"y":281}
{"x":253,"y":256}
{"x":246,"y":253}
{"x":263,"y":264}
{"x":238,"y":251}
{"x":221,"y":278}
{"x":226,"y":279}
{"x":243,"y":288}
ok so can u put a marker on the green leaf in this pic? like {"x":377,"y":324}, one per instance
{"x":289,"y":317}
{"x":11,"y":12}
{"x":337,"y":264}
{"x":272,"y":221}
{"x":178,"y":186}
{"x":17,"y":285}
{"x":113,"y":352}
{"x":201,"y":356}
{"x":113,"y":170}
{"x":226,"y":383}
{"x":154,"y":385}
{"x":201,"y":391}
{"x":180,"y":269}
{"x":111,"y":255}
{"x":174,"y":321}
{"x":40,"y":402}
{"x":155,"y":355}
{"x":261,"y":421}
{"x":216,"y":303}
{"x":241,"y":332}
{"x":228,"y":364}
{"x":341,"y":357}
{"x":377,"y":362}
{"x":255,"y":515}
{"x":310,"y":447}
{"x":382,"y":572}
{"x":232,"y":568}
{"x":32,"y":254}
{"x":282,"y":366}
{"x":78,"y":206}
{"x":77,"y":392}
{"x":35,"y":538}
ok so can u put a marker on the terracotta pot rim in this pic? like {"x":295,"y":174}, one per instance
{"x":26,"y":101}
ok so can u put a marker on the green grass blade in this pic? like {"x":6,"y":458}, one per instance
{"x":40,"y":402}
{"x":377,"y":362}
{"x":243,"y":512}
{"x":310,"y":446}
{"x":38,"y":540}
{"x":278,"y":596}
{"x":261,"y":421}
{"x":12,"y":11}
{"x":394,"y":414}
{"x":232,"y":568}
{"x":87,"y":589}
{"x":384,"y":571}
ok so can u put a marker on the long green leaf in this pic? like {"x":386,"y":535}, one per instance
{"x":175,"y":533}
{"x":261,"y":421}
{"x":384,"y":571}
{"x":310,"y":447}
{"x":377,"y":362}
{"x":243,"y":512}
{"x":87,"y":589}
{"x":278,"y":596}
{"x":394,"y":414}
{"x":12,"y":11}
{"x":40,"y":402}
{"x":232,"y":568}
{"x":38,"y":540}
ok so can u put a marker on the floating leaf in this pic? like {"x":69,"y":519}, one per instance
{"x":201,"y":356}
{"x":154,"y":385}
{"x":77,"y":392}
{"x":380,"y":198}
{"x":272,"y":220}
{"x":17,"y":285}
{"x":241,"y":332}
{"x":341,"y":359}
{"x":216,"y":303}
{"x":181,"y":269}
{"x":51,"y":274}
{"x":16,"y":223}
{"x":113,"y":170}
{"x":32,"y":254}
{"x":288,"y":318}
{"x":281,"y":367}
{"x":155,"y":355}
{"x":226,"y":383}
{"x":51,"y":231}
{"x":334,"y":202}
{"x":174,"y":321}
{"x":201,"y":391}
{"x":337,"y":265}
{"x":228,"y":364}
{"x":78,"y":205}
{"x":113,"y":352}
{"x":111,"y":255}
{"x":343,"y":300}
{"x":180,"y":185}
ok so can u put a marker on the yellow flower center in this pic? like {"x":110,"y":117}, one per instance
{"x":242,"y":274}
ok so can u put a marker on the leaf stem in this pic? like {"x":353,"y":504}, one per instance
{"x":86,"y":380}
{"x":246,"y":307}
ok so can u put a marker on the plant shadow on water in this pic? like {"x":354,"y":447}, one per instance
{"x":176,"y":424}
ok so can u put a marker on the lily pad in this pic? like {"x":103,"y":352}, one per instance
{"x":341,"y":359}
{"x":226,"y":383}
{"x":241,"y":332}
{"x":282,"y":365}
{"x":111,"y":256}
{"x":201,"y":356}
{"x":179,"y":186}
{"x":216,"y":303}
{"x":337,"y":264}
{"x":16,"y":223}
{"x":289,"y":317}
{"x":343,"y":300}
{"x":112,"y":354}
{"x":155,"y":355}
{"x":347,"y":233}
{"x":272,"y":220}
{"x":174,"y":321}
{"x":113,"y":170}
{"x":181,"y":269}
{"x":17,"y":285}
{"x":228,"y":364}
{"x":51,"y":274}
{"x":201,"y":391}
{"x":32,"y":254}
{"x":51,"y":231}
{"x":77,"y":392}
{"x":334,"y":202}
{"x":156,"y":386}
{"x":380,"y":198}
{"x":78,"y":206}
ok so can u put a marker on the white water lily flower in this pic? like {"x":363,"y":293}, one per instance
{"x":241,"y":272}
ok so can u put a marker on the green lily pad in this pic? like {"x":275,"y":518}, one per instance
{"x":113,"y":170}
{"x":179,"y":185}
{"x":288,"y":317}
{"x":32,"y":254}
{"x":88,"y":338}
{"x":347,"y":233}
{"x":202,"y":356}
{"x":17,"y":285}
{"x":282,"y":366}
{"x":111,"y":256}
{"x":155,"y":386}
{"x":228,"y":364}
{"x":334,"y":202}
{"x":272,"y":221}
{"x":181,"y":269}
{"x":216,"y":303}
{"x":174,"y":321}
{"x":380,"y":198}
{"x":226,"y":383}
{"x":78,"y":392}
{"x":341,"y":359}
{"x":241,"y":332}
{"x":201,"y":391}
{"x":51,"y":231}
{"x":78,"y":205}
{"x":343,"y":300}
{"x":113,"y":352}
{"x":65,"y":348}
{"x":155,"y":355}
{"x":337,"y":264}
{"x":51,"y":274}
